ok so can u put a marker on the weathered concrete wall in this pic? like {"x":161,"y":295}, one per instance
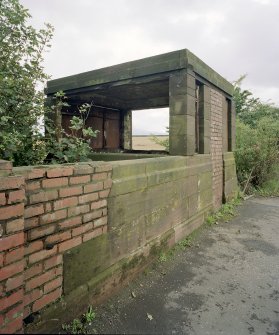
{"x":230,"y":179}
{"x":153,"y":204}
{"x":156,"y":195}
{"x":72,"y":234}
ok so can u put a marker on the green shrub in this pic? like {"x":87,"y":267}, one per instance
{"x":271,"y":186}
{"x":163,"y":142}
{"x":256,"y":151}
{"x":257,"y":140}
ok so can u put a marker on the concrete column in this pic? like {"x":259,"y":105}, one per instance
{"x":182,"y":113}
{"x":127,"y":130}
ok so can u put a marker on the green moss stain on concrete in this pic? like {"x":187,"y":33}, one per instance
{"x":86,"y":261}
{"x":230,"y":179}
{"x":205,"y":181}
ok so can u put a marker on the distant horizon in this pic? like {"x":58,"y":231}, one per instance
{"x":146,"y":135}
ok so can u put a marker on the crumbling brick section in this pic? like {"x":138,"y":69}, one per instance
{"x":44,"y":212}
{"x":217,"y":146}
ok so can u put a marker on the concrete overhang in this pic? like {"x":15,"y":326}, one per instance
{"x":137,"y":84}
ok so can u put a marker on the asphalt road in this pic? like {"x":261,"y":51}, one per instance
{"x":227,"y":282}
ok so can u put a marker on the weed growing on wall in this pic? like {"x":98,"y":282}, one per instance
{"x":164,"y":143}
{"x":72,"y":146}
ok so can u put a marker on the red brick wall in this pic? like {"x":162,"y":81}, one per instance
{"x":45,"y":211}
{"x":11,"y":250}
{"x":216,"y":100}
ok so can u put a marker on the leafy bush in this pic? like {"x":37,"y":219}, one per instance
{"x":257,"y":138}
{"x":271,"y":186}
{"x":21,"y":72}
{"x":22,"y":103}
{"x":256,"y":151}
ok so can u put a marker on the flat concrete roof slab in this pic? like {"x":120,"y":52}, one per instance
{"x":146,"y":68}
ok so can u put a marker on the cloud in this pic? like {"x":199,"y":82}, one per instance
{"x":151,"y":121}
{"x":232,"y":36}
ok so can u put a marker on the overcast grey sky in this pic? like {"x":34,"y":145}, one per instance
{"x":234,"y":37}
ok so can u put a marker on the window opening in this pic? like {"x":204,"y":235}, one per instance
{"x":150,"y":129}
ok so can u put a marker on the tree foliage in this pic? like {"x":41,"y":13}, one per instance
{"x":21,"y":73}
{"x":257,"y":138}
{"x":22,"y":102}
{"x":251,"y":110}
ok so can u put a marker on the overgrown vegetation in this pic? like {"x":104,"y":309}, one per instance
{"x":225,"y":213}
{"x":80,"y":325}
{"x":21,"y":73}
{"x":257,"y":143}
{"x":22,"y":110}
{"x":68,"y":147}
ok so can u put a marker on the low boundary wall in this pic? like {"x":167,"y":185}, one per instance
{"x":71,"y":234}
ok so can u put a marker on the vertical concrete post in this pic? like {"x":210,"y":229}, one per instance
{"x":182,"y":87}
{"x":127,"y":130}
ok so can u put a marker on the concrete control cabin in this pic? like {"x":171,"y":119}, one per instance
{"x":202,"y":115}
{"x":178,"y":80}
